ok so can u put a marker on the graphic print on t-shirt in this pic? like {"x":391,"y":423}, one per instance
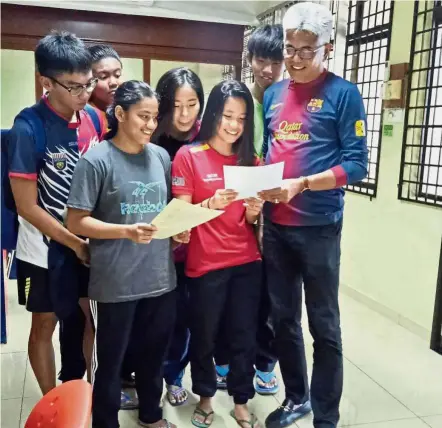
{"x":146,"y":198}
{"x":312,"y":128}
{"x":55,"y":178}
{"x":66,"y":142}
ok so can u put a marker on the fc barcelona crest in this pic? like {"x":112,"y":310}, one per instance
{"x":59,"y":160}
{"x":314,"y":105}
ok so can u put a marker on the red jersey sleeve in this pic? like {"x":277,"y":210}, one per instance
{"x":182,"y":173}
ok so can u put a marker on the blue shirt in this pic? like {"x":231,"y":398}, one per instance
{"x":315,"y":127}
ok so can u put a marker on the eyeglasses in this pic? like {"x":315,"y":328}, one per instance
{"x":303,"y":53}
{"x":78,"y":90}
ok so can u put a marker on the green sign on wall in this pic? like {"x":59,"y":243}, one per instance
{"x":388,"y":130}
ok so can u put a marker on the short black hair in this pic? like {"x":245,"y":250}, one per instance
{"x":61,"y":52}
{"x":266,"y":41}
{"x":166,"y":90}
{"x":218,"y":97}
{"x":98,"y":52}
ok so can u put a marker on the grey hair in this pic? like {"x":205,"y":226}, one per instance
{"x":312,"y":17}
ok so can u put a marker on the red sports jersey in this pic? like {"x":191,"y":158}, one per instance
{"x":226,"y":241}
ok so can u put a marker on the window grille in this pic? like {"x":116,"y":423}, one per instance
{"x":366,"y":52}
{"x":420,"y":177}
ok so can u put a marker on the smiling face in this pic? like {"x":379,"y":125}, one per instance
{"x":231,"y":123}
{"x":266,"y":71}
{"x":307,"y":63}
{"x":140,"y":121}
{"x":186,"y":109}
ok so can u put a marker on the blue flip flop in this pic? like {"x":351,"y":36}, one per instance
{"x":221,"y":376}
{"x":266,"y":377}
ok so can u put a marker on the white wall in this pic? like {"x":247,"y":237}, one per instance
{"x":210,"y":74}
{"x":390,"y":249}
{"x":132,"y":69}
{"x":17,"y":83}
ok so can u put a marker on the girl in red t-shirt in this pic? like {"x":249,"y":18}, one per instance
{"x":223,"y":262}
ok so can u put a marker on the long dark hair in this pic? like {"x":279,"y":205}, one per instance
{"x":127,"y":94}
{"x":167,"y":86}
{"x":243,"y":147}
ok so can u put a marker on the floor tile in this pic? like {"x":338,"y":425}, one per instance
{"x":28,"y":405}
{"x":363,"y":400}
{"x":31,"y":388}
{"x":13,"y":374}
{"x":10,"y":414}
{"x":18,"y":322}
{"x":434,"y":421}
{"x":17,"y":336}
{"x":393,"y":357}
{"x":390,"y":377}
{"x":402,"y":423}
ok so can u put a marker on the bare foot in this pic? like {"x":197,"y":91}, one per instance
{"x":203,"y":413}
{"x":242,"y":414}
{"x":268,"y":385}
{"x":176,"y":395}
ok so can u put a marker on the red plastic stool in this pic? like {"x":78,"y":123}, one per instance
{"x":67,"y":406}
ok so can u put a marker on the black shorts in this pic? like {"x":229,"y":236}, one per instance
{"x":33,"y":286}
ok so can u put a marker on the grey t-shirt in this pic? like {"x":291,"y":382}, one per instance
{"x":123,"y":188}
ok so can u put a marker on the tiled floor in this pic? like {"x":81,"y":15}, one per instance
{"x":392,"y":379}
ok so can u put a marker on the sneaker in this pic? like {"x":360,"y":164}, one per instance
{"x":287,"y":414}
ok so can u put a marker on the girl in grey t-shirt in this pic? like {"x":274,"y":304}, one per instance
{"x":118,"y":188}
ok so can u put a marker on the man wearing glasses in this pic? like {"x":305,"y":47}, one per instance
{"x":50,"y":259}
{"x":316,"y":124}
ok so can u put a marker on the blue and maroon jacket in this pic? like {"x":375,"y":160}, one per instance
{"x":314,"y":127}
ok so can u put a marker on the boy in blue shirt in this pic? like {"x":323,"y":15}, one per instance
{"x":50,"y":259}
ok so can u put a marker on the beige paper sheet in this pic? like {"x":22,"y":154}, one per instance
{"x":179,"y":216}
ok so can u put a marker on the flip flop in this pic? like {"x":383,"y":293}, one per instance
{"x":128,"y":402}
{"x":205,"y":415}
{"x":175,"y":393}
{"x":221,"y":376}
{"x":253,"y":422}
{"x":266,"y":377}
{"x":165,"y":421}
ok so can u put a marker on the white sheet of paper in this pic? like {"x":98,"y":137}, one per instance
{"x":179,"y":216}
{"x":249,"y":180}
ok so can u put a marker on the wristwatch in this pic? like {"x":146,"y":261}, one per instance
{"x":305,"y":183}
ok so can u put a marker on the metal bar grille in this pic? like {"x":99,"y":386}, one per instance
{"x":246,"y":72}
{"x":228,"y":72}
{"x":421,"y":164}
{"x":366,"y":52}
{"x":331,"y":57}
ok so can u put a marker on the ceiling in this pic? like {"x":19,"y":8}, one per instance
{"x":227,"y":11}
